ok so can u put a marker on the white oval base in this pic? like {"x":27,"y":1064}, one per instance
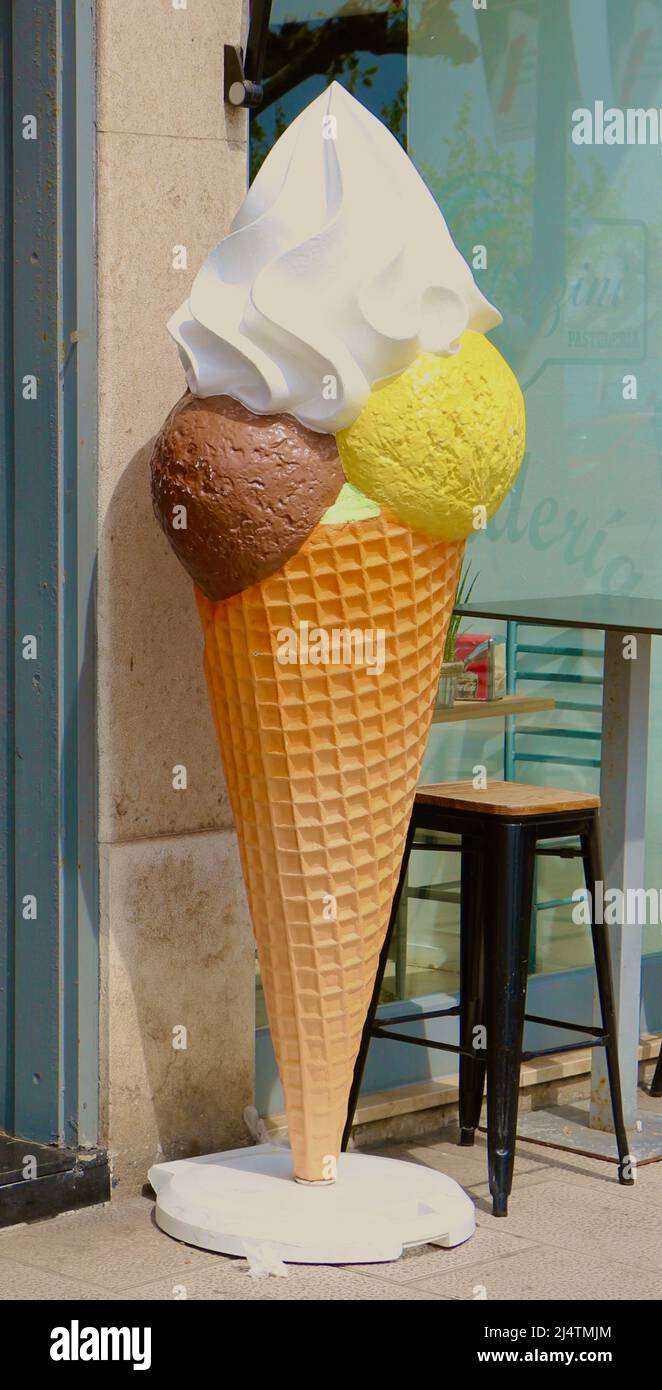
{"x":377,"y":1208}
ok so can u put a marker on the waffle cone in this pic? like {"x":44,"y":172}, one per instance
{"x":322,"y":762}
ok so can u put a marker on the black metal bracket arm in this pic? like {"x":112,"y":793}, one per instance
{"x":242,"y":77}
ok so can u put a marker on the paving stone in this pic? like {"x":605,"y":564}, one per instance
{"x":109,"y":1247}
{"x":581,"y":1218}
{"x":486,"y":1244}
{"x":229,"y":1280}
{"x":540,"y":1275}
{"x":19,"y":1281}
{"x":561,"y":1163}
{"x":468,"y":1166}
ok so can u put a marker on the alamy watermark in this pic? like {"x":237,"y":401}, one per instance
{"x":614,"y":125}
{"x":76,"y":1343}
{"x":336,"y":646}
{"x":617,"y":907}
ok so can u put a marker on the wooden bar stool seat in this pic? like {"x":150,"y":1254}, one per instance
{"x":504,"y":798}
{"x":499,"y":827}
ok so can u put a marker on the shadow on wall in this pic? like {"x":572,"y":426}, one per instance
{"x":177,"y":947}
{"x":153,"y":709}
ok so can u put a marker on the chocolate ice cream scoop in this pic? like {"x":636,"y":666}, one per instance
{"x":237,"y":494}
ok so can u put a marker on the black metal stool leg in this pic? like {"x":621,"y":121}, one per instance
{"x":472,"y":1069}
{"x":656,"y":1083}
{"x":594,"y":872}
{"x":359,"y":1066}
{"x":508,"y":895}
{"x":400,"y":936}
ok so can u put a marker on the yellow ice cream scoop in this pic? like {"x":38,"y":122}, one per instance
{"x":442,"y":441}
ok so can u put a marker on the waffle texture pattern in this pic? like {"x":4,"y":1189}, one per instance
{"x":322,"y":759}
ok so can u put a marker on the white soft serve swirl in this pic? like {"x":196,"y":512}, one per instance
{"x":339,"y":269}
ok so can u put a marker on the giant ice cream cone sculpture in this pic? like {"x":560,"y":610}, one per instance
{"x":324,"y":607}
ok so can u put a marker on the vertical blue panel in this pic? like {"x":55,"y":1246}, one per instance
{"x":68,"y":509}
{"x":49,"y":982}
{"x":37,"y":572}
{"x":6,"y":583}
{"x":49,"y":1021}
{"x":83,"y":456}
{"x":77,"y":446}
{"x":56,"y":956}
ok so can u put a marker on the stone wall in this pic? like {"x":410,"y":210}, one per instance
{"x":177,"y":951}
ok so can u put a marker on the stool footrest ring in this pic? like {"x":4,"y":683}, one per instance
{"x":562,"y":1023}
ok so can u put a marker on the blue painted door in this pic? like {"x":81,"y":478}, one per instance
{"x":6,"y":579}
{"x":48,"y":957}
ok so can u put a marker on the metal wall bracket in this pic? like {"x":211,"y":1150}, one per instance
{"x":242,"y":73}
